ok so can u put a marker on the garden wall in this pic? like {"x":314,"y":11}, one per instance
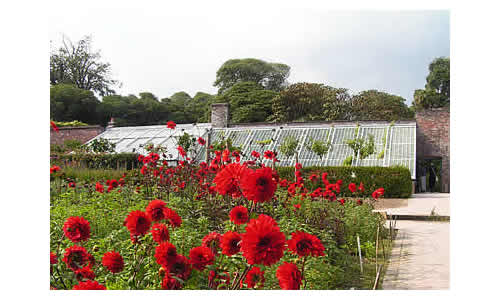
{"x":82,"y":134}
{"x":433,"y":139}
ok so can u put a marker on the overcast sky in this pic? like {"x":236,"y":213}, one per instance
{"x":166,"y":52}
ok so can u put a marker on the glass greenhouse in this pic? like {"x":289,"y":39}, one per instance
{"x":395,"y":143}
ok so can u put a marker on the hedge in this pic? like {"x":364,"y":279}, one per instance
{"x":97,"y":161}
{"x":395,"y":180}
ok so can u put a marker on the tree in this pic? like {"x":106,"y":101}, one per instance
{"x":248,"y":102}
{"x":79,"y":65}
{"x":271,"y":76}
{"x":376,"y":105}
{"x":310,"y":102}
{"x":437,"y":88}
{"x":68,"y":103}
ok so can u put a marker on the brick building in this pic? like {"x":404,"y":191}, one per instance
{"x":433,"y":144}
{"x":80,"y":133}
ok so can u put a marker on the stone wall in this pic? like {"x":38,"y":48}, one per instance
{"x":220,"y":115}
{"x":82,"y":134}
{"x":433,"y":140}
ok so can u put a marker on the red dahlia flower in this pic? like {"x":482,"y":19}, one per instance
{"x":99,"y":187}
{"x":171,"y":124}
{"x":180,"y":267}
{"x":201,"y":141}
{"x":212,"y":241}
{"x":268,"y":154}
{"x":77,"y":257}
{"x":361,"y":187}
{"x":230,"y":243}
{"x":155,"y":211}
{"x":173,"y":218}
{"x":181,"y":150}
{"x":298,"y":166}
{"x":255,"y":154}
{"x":239,"y":215}
{"x":113,"y":261}
{"x":89,"y":285}
{"x":84,"y":273}
{"x":313,"y":177}
{"x":255,"y":276}
{"x":378,"y":193}
{"x":160,"y":233}
{"x":138,"y":223}
{"x":342,"y":201}
{"x":263,"y":242}
{"x":259,"y":185}
{"x":352,"y":187}
{"x":53,"y":258}
{"x":71,"y":184}
{"x":54,"y":169}
{"x":77,"y":229}
{"x":169,"y":283}
{"x":165,"y":254}
{"x":228,"y":179}
{"x":200,"y":257}
{"x":289,"y":276}
{"x":305,"y":244}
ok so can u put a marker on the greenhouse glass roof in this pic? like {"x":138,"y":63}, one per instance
{"x":394,"y":143}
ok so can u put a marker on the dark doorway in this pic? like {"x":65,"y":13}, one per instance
{"x":429,"y":175}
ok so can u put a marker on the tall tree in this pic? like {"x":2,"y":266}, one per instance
{"x":68,"y":103}
{"x":437,"y":88}
{"x":79,"y":65}
{"x":377,"y":105}
{"x":271,"y":76}
{"x":248,"y":102}
{"x":310,"y":102}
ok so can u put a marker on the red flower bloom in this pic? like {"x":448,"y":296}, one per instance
{"x":263,"y":242}
{"x":77,"y":257}
{"x":181,"y":150}
{"x":297,"y":206}
{"x":200,"y":257}
{"x":305,"y":244}
{"x":361,"y":187}
{"x":313,"y":177}
{"x":155,"y":210}
{"x":71,"y":184}
{"x":99,"y":187}
{"x":268,"y":154}
{"x":342,"y":201}
{"x":54,"y":126}
{"x":201,"y":141}
{"x":173,"y":218}
{"x":113,"y":261}
{"x":53,"y":258}
{"x":255,"y":154}
{"x":171,"y":124}
{"x":378,"y":193}
{"x":259,"y":186}
{"x":289,"y":276}
{"x":239,"y":215}
{"x":180,"y":267}
{"x":230,"y":243}
{"x":169,"y":283}
{"x":89,"y":285}
{"x":160,"y":233}
{"x":212,"y":241}
{"x":352,"y":187}
{"x":76,"y":229}
{"x":54,"y":169}
{"x":298,"y":166}
{"x":165,"y":254}
{"x":218,"y":281}
{"x":228,"y":179}
{"x":359,"y":202}
{"x":255,"y":276}
{"x":137,"y":223}
{"x":84,"y":273}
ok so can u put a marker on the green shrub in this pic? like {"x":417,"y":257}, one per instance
{"x":395,"y":180}
{"x":97,"y":161}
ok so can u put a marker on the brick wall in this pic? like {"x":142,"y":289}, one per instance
{"x":82,"y":134}
{"x":433,"y":139}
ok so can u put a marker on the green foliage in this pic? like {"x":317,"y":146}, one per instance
{"x":318,"y":147}
{"x":362,"y":148}
{"x":395,"y":180}
{"x":437,"y":88}
{"x":248,"y":102}
{"x":68,"y":103}
{"x":77,"y":64}
{"x":270,"y":76}
{"x":97,"y":160}
{"x":225,"y":143}
{"x":186,"y":141}
{"x":376,"y":105}
{"x":74,"y":123}
{"x":289,"y":146}
{"x":100,"y":145}
{"x":310,"y":102}
{"x":347,"y":161}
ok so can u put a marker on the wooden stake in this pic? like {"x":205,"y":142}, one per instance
{"x":376,"y":278}
{"x":360,"y":257}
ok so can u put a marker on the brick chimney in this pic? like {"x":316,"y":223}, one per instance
{"x":220,"y":115}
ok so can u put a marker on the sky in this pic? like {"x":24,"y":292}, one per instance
{"x":167,"y":51}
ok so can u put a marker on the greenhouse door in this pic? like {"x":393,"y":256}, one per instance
{"x":429,"y":175}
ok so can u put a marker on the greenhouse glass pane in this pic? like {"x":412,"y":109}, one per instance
{"x":258,"y":135}
{"x":308,"y":157}
{"x":402,"y":148}
{"x":297,"y":133}
{"x":379,"y":134}
{"x":339,"y":150}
